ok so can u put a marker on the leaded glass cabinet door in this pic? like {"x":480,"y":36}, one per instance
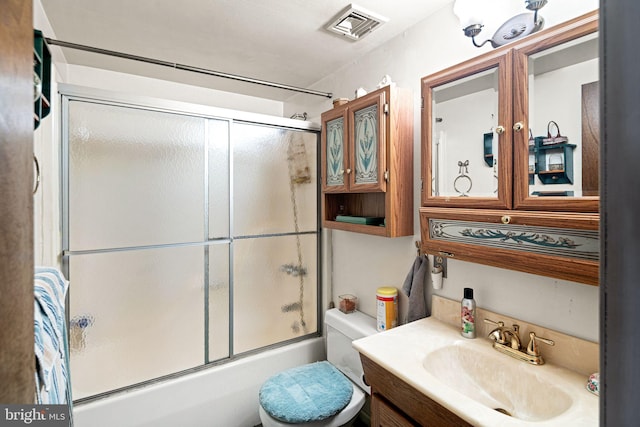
{"x":335,"y":158}
{"x":367,"y":137}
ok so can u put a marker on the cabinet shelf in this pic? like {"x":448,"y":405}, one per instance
{"x":376,"y":230}
{"x":551,"y":172}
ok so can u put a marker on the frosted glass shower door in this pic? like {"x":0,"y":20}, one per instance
{"x":275,"y":231}
{"x":136,"y":177}
{"x":136,"y":315}
{"x":135,"y":244}
{"x":188,"y":240}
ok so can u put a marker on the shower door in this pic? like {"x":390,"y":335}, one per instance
{"x":187,"y":240}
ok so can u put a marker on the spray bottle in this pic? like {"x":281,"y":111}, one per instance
{"x":468,"y":314}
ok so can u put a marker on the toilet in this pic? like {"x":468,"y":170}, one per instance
{"x":306,"y":380}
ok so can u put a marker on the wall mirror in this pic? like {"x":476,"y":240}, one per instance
{"x":559,"y":98}
{"x":464,"y":137}
{"x":563,"y":94}
{"x":463,"y":163}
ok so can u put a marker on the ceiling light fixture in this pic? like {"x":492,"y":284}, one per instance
{"x":354,"y":22}
{"x":474,"y":15}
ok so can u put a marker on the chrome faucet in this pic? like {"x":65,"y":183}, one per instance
{"x":507,"y":340}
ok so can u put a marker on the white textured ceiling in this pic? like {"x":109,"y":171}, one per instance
{"x":275,"y":40}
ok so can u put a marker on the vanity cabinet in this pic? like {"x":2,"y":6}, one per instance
{"x":367,"y":164}
{"x":501,"y":184}
{"x":394,"y":403}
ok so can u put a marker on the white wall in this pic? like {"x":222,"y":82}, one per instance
{"x":362,"y":263}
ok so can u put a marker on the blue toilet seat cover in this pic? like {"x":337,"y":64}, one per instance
{"x":307,"y":393}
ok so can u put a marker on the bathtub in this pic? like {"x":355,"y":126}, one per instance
{"x":221,"y":396}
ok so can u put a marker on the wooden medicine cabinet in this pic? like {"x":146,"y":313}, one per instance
{"x":510,"y":144}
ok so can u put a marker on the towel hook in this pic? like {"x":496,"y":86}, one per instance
{"x":419,"y":247}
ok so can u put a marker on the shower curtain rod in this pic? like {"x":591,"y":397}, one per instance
{"x":186,"y":67}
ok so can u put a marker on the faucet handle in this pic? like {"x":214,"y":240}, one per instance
{"x":532,"y":348}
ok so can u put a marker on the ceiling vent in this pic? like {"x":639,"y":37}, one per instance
{"x":355,"y":22}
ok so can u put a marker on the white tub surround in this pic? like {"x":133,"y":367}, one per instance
{"x":224,"y":395}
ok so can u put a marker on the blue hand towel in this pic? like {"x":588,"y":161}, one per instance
{"x":413,"y":287}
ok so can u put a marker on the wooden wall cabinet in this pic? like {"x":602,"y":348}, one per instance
{"x":527,"y":212}
{"x":367,"y":164}
{"x":394,"y":403}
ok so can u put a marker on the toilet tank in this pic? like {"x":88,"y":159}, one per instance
{"x":342,"y":330}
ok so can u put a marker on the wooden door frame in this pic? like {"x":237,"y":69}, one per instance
{"x":620,"y":210}
{"x":17,"y":360}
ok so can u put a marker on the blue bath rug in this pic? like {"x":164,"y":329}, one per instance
{"x":307,"y":393}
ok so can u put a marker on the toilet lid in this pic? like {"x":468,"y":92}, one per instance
{"x":307,"y":393}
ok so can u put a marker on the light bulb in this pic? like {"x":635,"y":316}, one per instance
{"x":469,"y":12}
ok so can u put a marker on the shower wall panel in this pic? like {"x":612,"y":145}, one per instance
{"x":218,"y":302}
{"x":136,"y":315}
{"x":271,"y":304}
{"x":274,"y":269}
{"x":136,"y":177}
{"x":262,"y":179}
{"x":219,"y":179}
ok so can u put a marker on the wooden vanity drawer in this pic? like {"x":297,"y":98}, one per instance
{"x":553,"y":244}
{"x":383,"y":414}
{"x":397,"y":404}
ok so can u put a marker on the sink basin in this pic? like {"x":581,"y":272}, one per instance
{"x":497,"y":382}
{"x":469,"y":378}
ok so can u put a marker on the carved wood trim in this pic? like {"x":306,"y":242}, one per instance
{"x":563,"y":267}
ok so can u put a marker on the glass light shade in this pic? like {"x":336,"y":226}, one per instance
{"x":491,"y":13}
{"x":469,"y":12}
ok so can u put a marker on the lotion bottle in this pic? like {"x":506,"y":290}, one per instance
{"x":468,"y":314}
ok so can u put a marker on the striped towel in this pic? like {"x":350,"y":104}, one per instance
{"x":51,"y":346}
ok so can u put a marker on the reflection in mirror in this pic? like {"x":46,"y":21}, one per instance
{"x":464,"y":143}
{"x":563,"y":119}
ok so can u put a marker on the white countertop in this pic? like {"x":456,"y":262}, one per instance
{"x":402,"y":351}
